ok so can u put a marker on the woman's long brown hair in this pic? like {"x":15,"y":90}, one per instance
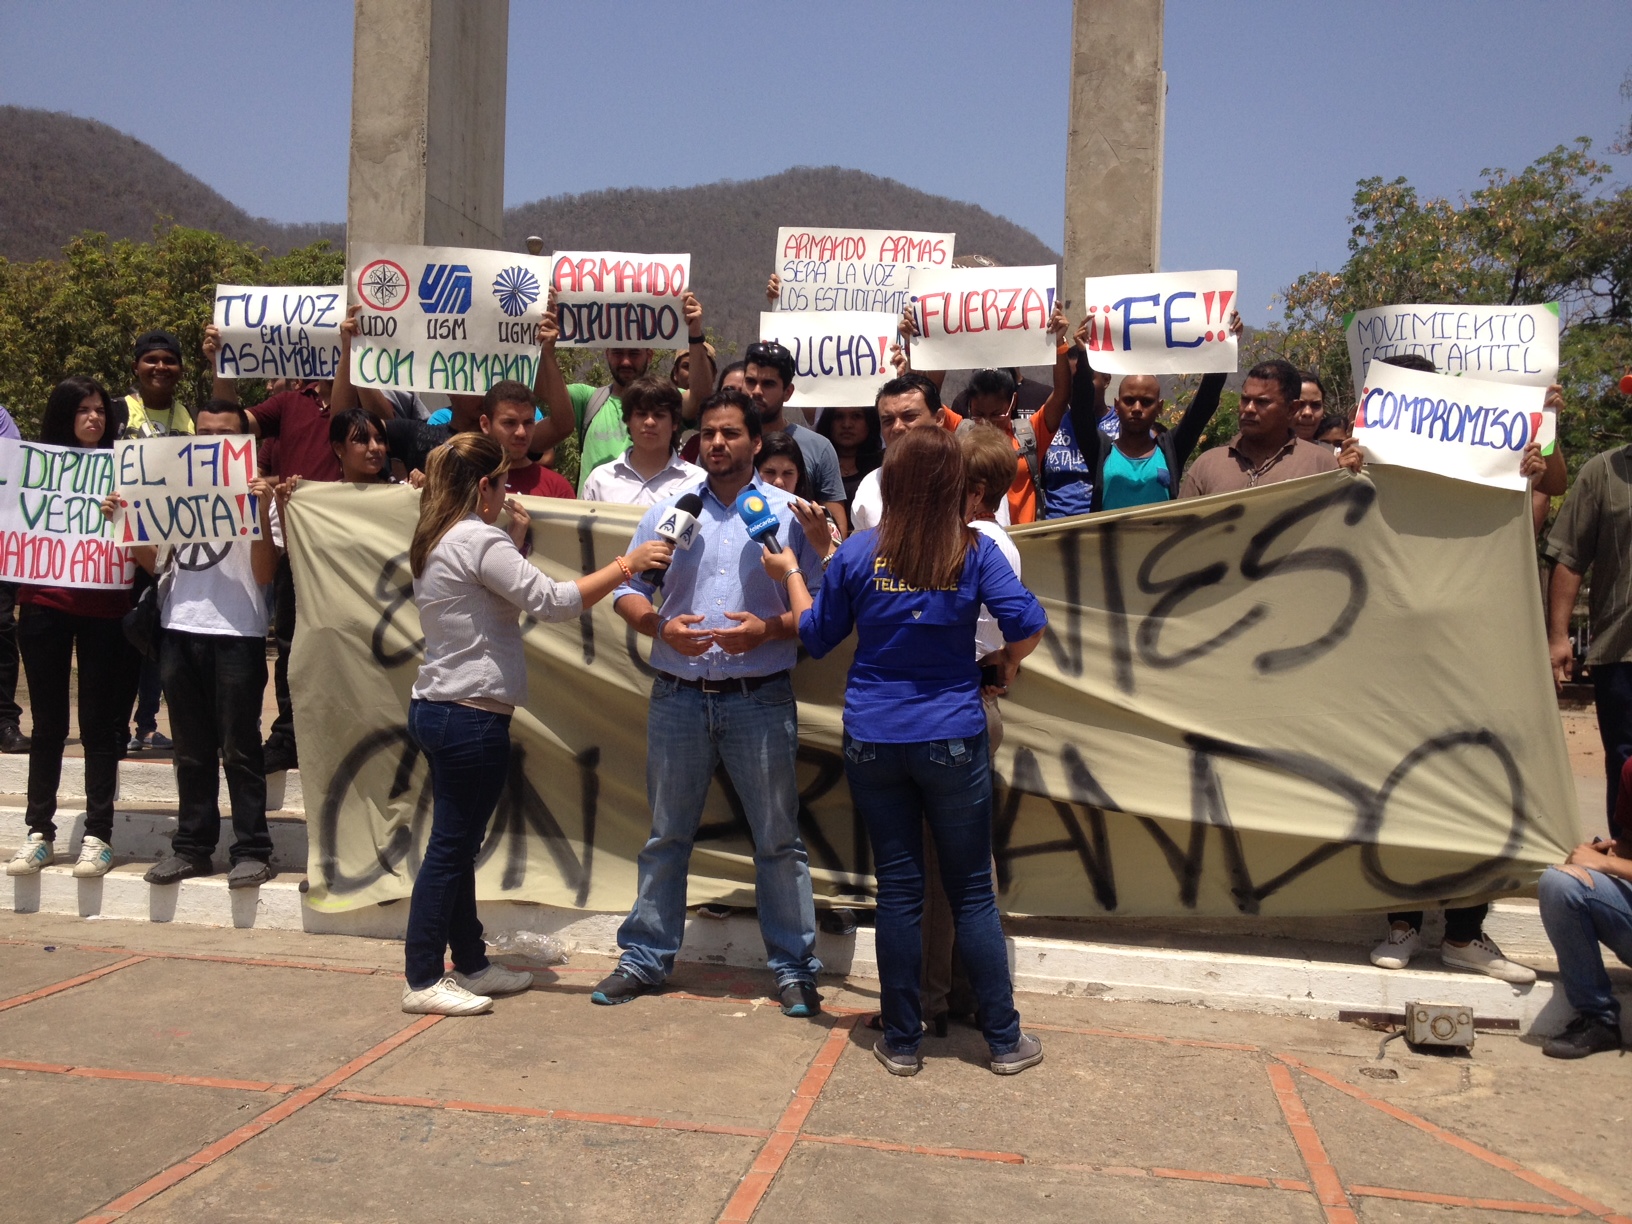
{"x":922,"y":537}
{"x":453,"y":478}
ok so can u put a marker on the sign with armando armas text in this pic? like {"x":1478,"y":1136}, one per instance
{"x":1168,"y":749}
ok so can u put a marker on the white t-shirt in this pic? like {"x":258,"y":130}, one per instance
{"x":988,"y":636}
{"x":213,"y":591}
{"x":867,"y":507}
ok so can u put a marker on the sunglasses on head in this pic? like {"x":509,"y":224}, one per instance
{"x":768,"y":350}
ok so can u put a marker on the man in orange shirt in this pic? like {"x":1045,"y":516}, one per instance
{"x":991,"y":399}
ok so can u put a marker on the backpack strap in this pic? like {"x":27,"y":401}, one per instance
{"x":593,"y":408}
{"x":965,"y":425}
{"x":1027,"y":437}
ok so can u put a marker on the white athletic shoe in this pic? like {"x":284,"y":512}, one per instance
{"x":496,"y":980}
{"x":445,"y":998}
{"x":36,"y":853}
{"x":95,"y":858}
{"x":1483,"y":956}
{"x":1396,"y":951}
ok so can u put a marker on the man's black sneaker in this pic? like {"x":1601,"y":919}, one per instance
{"x":173,"y":869}
{"x":12,"y":738}
{"x":619,"y":987}
{"x":799,"y":1000}
{"x":251,"y":873}
{"x":1584,"y":1036}
{"x":897,"y":1062}
{"x":279,"y":755}
{"x":837,"y":921}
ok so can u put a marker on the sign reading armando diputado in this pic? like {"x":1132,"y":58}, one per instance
{"x":52,"y":531}
{"x":1465,"y":428}
{"x":1164,"y":749}
{"x":450,"y":319}
{"x":1517,"y":344}
{"x":613,"y":299}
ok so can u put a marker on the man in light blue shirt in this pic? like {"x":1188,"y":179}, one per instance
{"x":724,"y":644}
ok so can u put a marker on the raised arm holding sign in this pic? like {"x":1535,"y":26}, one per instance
{"x":969,"y":318}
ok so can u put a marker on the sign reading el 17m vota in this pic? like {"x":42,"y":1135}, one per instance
{"x":450,"y":319}
{"x":615,"y":299}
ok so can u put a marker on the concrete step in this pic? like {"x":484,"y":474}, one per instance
{"x":143,"y":832}
{"x":142,"y":780}
{"x":1261,"y":974}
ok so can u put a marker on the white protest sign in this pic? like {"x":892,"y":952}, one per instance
{"x":1466,"y":428}
{"x":612,"y":299}
{"x":181,"y":488}
{"x":853,"y":269}
{"x":51,"y":527}
{"x":279,"y":332}
{"x":1517,"y":344}
{"x":840,"y":357}
{"x":969,"y":318}
{"x":450,"y":319}
{"x":1161,"y":323}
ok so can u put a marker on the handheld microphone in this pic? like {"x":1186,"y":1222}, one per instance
{"x":760,"y":519}
{"x":679,"y":527}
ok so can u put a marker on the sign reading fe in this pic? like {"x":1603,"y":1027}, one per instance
{"x":450,"y":319}
{"x":973,"y":317}
{"x":1161,"y":323}
{"x":610,"y":299}
{"x":51,"y":526}
{"x":180,"y":489}
{"x":1466,"y":428}
{"x":1517,"y":344}
{"x":853,"y":269}
{"x":279,"y":332}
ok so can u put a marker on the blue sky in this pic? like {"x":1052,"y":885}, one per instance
{"x":1275,"y":108}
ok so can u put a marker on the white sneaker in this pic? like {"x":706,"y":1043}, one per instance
{"x":1483,"y":956}
{"x":1396,"y":951}
{"x":496,"y":980}
{"x":446,"y":998}
{"x":36,"y":853}
{"x":95,"y":858}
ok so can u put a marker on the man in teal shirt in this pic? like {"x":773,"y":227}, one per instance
{"x":595,"y":414}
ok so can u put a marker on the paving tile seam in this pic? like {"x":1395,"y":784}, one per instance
{"x":1329,"y":1192}
{"x":1452,"y":1139}
{"x":146,"y":1077}
{"x":751,"y":1190}
{"x":282,"y":1111}
{"x":560,"y":1115}
{"x":1458,"y":1200}
{"x":45,"y":992}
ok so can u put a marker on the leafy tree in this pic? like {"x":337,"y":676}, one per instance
{"x":81,"y":313}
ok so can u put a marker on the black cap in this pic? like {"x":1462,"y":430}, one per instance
{"x":147,"y":342}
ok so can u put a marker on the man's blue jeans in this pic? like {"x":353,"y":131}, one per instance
{"x":896,"y":788}
{"x":469,"y":752}
{"x":756,"y":736}
{"x":1578,"y":919}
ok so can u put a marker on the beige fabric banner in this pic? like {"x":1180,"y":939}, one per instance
{"x":1310,"y":698}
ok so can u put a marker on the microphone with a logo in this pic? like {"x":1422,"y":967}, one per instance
{"x":679,"y":527}
{"x":758,"y":517}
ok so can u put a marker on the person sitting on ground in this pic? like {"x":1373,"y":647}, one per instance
{"x":857,"y":441}
{"x":1266,"y":450}
{"x":55,"y":623}
{"x":1309,"y":413}
{"x":651,"y":470}
{"x":212,"y":658}
{"x":470,"y":580}
{"x":1584,"y":903}
{"x":594,"y":414}
{"x":915,"y":743}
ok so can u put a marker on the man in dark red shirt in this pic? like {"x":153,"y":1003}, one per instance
{"x":507,"y":418}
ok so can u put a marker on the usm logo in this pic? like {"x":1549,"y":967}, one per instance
{"x":445,"y":289}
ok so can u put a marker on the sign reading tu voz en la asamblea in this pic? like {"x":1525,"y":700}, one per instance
{"x":279,"y":332}
{"x":450,"y":319}
{"x":180,"y":489}
{"x":52,"y":531}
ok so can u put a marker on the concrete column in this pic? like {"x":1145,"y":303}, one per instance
{"x":427,"y":122}
{"x":1113,"y":160}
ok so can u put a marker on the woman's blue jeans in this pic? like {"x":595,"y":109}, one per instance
{"x":948,"y":783}
{"x":469,"y":752}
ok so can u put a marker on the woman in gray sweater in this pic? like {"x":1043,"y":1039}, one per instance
{"x":470,"y":581}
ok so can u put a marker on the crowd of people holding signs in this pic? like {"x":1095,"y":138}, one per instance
{"x":816,"y":489}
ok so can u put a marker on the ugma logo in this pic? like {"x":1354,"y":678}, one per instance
{"x":445,"y":289}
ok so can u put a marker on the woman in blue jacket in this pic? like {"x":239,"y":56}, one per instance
{"x":915,"y":745}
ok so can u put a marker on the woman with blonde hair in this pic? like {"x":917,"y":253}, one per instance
{"x":470,"y":581}
{"x":915,"y":741}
